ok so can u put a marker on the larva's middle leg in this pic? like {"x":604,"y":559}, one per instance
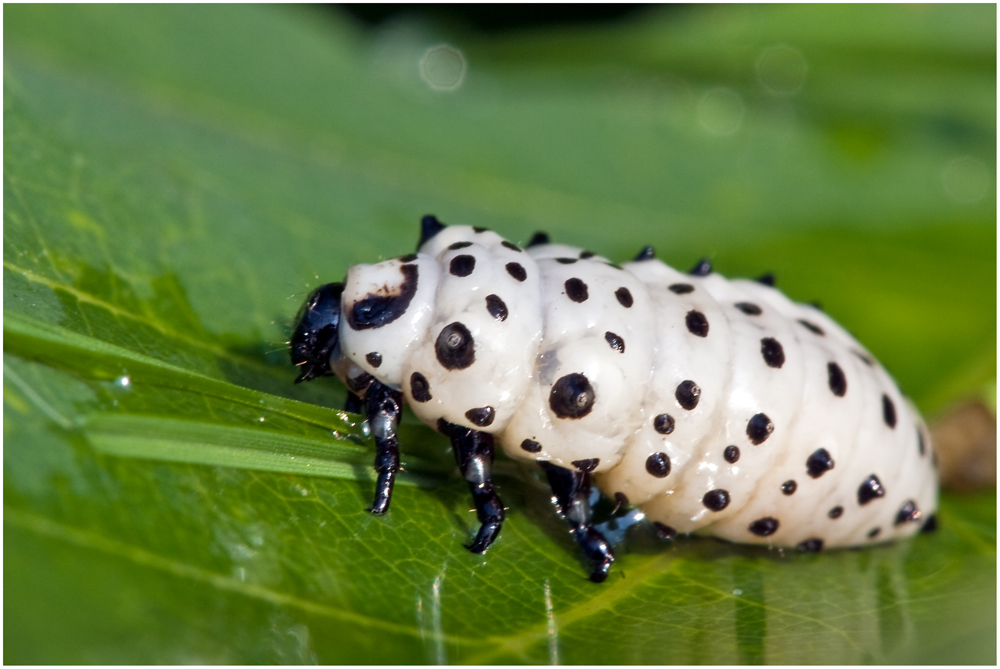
{"x":384,"y":406}
{"x":572,"y":489}
{"x":474,"y":455}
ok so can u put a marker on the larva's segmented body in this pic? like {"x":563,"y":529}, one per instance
{"x":718,"y":406}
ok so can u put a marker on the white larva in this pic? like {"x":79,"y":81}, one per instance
{"x":717,"y":406}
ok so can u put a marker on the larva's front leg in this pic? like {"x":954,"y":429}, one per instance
{"x":572,"y":489}
{"x":383,"y":406}
{"x":474,"y":456}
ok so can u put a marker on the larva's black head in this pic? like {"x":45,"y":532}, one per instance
{"x":317,"y":331}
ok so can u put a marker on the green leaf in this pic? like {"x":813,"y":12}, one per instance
{"x":176,"y":178}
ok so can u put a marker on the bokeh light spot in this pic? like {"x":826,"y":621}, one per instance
{"x":782,"y":69}
{"x":720,"y":111}
{"x":443,"y":67}
{"x":965,"y":179}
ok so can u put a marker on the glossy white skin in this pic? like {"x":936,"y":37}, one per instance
{"x":547,"y":335}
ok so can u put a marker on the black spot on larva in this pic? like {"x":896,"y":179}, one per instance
{"x":588,"y":465}
{"x":874,"y":532}
{"x":836,"y":512}
{"x":870,"y":489}
{"x":764,"y":527}
{"x":773,"y":352}
{"x":766,"y":279}
{"x":496,"y":307}
{"x":815,"y":329}
{"x":681,"y":288}
{"x":930,"y":524}
{"x":864,"y":358}
{"x":516,"y":271}
{"x":409,"y":257}
{"x":478,"y":229}
{"x":920,"y":441}
{"x":459,"y":245}
{"x":759,"y":428}
{"x":429,"y":226}
{"x":647,"y":253}
{"x":624,"y":297}
{"x":731,"y":454}
{"x":374,"y":359}
{"x":664,"y":423}
{"x":586,"y":254}
{"x":576,"y":290}
{"x":749,"y":308}
{"x":702,"y":268}
{"x":697,"y":324}
{"x":482,"y":416}
{"x":716,"y":500}
{"x":819,"y":463}
{"x":462,"y":265}
{"x":688,"y":393}
{"x":565,"y":261}
{"x":375,"y":311}
{"x":614,"y":341}
{"x":658,"y":465}
{"x":572,"y":396}
{"x":908,"y":513}
{"x":538,"y":239}
{"x":665,"y":532}
{"x":810,"y":546}
{"x":888,"y":411}
{"x":455,"y":348}
{"x":789,"y":487}
{"x":360,"y":382}
{"x":510,"y":245}
{"x":837,"y":380}
{"x":419,"y":388}
{"x":531,"y":446}
{"x":620,"y":500}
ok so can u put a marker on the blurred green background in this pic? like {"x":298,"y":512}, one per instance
{"x":176,"y":178}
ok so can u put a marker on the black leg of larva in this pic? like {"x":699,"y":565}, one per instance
{"x":474,"y":456}
{"x":384,"y":406}
{"x":572,"y":489}
{"x":353,"y":403}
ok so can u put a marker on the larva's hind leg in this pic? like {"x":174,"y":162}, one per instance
{"x":384,"y":406}
{"x":572,"y":489}
{"x":474,"y":456}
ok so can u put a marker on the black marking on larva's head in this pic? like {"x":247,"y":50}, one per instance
{"x":665,"y":532}
{"x":419,"y":388}
{"x":624,"y":296}
{"x":749,"y":308}
{"x":908,"y":513}
{"x":874,"y":532}
{"x":588,"y":465}
{"x":496,"y":307}
{"x":586,"y":254}
{"x":531,"y":446}
{"x":870,"y":489}
{"x":921,"y":448}
{"x":766,"y":279}
{"x":647,"y":253}
{"x":789,"y":487}
{"x":680,"y":288}
{"x":479,"y":230}
{"x":835,"y":513}
{"x":538,"y":239}
{"x":658,"y":465}
{"x":409,"y":257}
{"x":663,"y":423}
{"x":931,"y":524}
{"x":462,"y":265}
{"x":459,"y":245}
{"x":812,"y":327}
{"x":764,"y":527}
{"x":359,"y":384}
{"x":375,"y":311}
{"x":481,"y":416}
{"x":864,"y":357}
{"x":888,"y":411}
{"x":516,"y":271}
{"x":317,"y":332}
{"x":819,"y":463}
{"x":773,"y":352}
{"x":702,"y":268}
{"x":429,"y":226}
{"x":836,"y":379}
{"x":731,"y":454}
{"x":572,"y":396}
{"x":374,"y":359}
{"x":455,"y":348}
{"x":759,"y":428}
{"x":614,"y":341}
{"x":576,"y":290}
{"x":688,"y":394}
{"x":716,"y":500}
{"x":511,"y":245}
{"x":696,"y":323}
{"x":810,"y":546}
{"x":566,"y":261}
